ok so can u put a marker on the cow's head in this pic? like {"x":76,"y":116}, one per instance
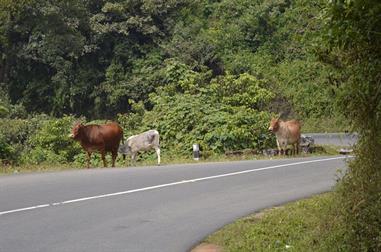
{"x":76,"y":132}
{"x":124,"y":149}
{"x":274,"y":125}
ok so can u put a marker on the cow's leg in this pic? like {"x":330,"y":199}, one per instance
{"x":88,"y":159}
{"x":103,"y":154}
{"x":114,"y":156}
{"x":283,"y":149}
{"x":279,"y":148}
{"x":158,"y":155}
{"x":133,"y":158}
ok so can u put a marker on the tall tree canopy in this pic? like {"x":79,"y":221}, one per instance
{"x":94,"y":58}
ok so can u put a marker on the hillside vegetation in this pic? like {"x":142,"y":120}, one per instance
{"x":211,"y":72}
{"x":206,"y":71}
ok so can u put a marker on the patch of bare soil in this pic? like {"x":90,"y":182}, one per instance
{"x":207,"y":247}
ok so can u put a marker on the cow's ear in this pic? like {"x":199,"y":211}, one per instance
{"x":76,"y":122}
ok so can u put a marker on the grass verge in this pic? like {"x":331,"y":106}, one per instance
{"x":149,"y":159}
{"x":313,"y":224}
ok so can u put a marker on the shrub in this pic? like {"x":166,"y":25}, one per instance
{"x":51,"y":142}
{"x":15,"y":134}
{"x":6,"y":150}
{"x":3,"y":111}
{"x":132,"y":121}
{"x":41,"y":155}
{"x":186,"y":119}
{"x":242,"y":90}
{"x":210,"y":116}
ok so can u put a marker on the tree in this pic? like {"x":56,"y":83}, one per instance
{"x":129,"y":32}
{"x":41,"y":44}
{"x":353,"y":36}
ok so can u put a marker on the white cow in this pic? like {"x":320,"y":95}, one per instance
{"x":145,"y":141}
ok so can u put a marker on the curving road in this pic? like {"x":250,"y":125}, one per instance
{"x":338,"y":139}
{"x":167,"y":208}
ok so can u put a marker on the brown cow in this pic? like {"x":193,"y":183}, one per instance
{"x":286,"y":132}
{"x":103,"y":138}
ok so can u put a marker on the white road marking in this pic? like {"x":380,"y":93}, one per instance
{"x":167,"y":185}
{"x":24,"y":209}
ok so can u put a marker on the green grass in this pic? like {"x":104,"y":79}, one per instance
{"x":37,"y":168}
{"x":149,"y":159}
{"x":307,"y":225}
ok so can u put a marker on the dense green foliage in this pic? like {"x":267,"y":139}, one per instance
{"x":93,"y":58}
{"x":186,"y":112}
{"x":14,"y":135}
{"x":354,"y":41}
{"x":199,"y":71}
{"x":37,"y":140}
{"x":51,"y":143}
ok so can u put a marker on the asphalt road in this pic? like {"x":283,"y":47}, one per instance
{"x":338,"y":139}
{"x":167,"y":208}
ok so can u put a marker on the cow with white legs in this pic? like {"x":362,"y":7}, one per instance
{"x":287,"y":133}
{"x":142,"y":142}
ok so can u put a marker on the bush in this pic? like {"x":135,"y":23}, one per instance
{"x":210,"y":117}
{"x":132,"y":121}
{"x":6,"y":150}
{"x":334,"y":123}
{"x":186,"y":119}
{"x":361,"y":197}
{"x":3,"y":111}
{"x":16,"y":133}
{"x":243,"y":90}
{"x":51,"y":142}
{"x":41,"y":155}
